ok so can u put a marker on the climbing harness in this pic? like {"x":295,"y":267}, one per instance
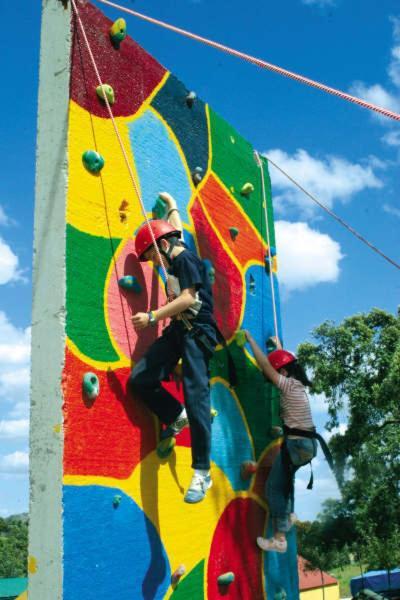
{"x":259,"y":63}
{"x":313,"y":435}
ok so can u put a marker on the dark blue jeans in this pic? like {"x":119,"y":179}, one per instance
{"x":279,"y":488}
{"x":156,"y":366}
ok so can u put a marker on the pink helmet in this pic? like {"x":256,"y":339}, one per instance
{"x":280,"y":358}
{"x":144,"y":239}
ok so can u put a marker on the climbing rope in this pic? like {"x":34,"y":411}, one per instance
{"x":259,"y":62}
{"x":271,"y":275}
{"x":136,"y":187}
{"x":335,"y":216}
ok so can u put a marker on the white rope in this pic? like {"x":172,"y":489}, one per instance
{"x":271,"y":275}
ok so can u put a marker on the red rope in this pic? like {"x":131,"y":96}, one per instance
{"x":260,"y":63}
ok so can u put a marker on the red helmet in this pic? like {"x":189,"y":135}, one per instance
{"x":144,"y":239}
{"x":280,"y":358}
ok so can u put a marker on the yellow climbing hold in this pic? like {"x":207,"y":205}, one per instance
{"x":57,"y":428}
{"x":118,"y":32}
{"x":106,"y":91}
{"x":247,"y":189}
{"x":240,"y":338}
{"x":32,"y":565}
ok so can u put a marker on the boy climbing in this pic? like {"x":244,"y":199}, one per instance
{"x":191,"y":336}
{"x":299,"y":447}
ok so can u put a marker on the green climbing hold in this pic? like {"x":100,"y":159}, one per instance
{"x":247,"y":469}
{"x":106,"y":91}
{"x":129,"y":282}
{"x":234,"y":231}
{"x":91,"y":385}
{"x":92,"y":161}
{"x":209,"y":270}
{"x":177,"y":574}
{"x":240,"y":338}
{"x":213,"y":413}
{"x":226,"y":578}
{"x":197,"y":176}
{"x":117,"y":501}
{"x":165,"y":447}
{"x":247,"y":189}
{"x":118,"y":32}
{"x":190,"y":98}
{"x":159,"y":209}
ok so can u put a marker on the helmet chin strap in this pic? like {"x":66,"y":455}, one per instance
{"x":167,"y":253}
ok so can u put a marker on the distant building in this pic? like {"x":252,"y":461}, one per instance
{"x":11,"y":589}
{"x":312,"y":582}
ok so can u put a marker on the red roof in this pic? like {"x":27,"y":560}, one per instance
{"x":309,"y":580}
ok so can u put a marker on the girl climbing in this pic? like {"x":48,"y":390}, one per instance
{"x":299,"y":447}
{"x":191,"y":336}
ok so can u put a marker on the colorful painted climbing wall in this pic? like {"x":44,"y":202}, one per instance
{"x":126,"y":529}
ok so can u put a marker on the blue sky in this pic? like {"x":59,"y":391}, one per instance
{"x":345,"y":155}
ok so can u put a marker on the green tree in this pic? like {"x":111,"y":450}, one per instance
{"x":13,"y":547}
{"x":356,"y":365}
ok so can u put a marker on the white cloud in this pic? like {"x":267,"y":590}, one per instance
{"x":378,"y":94}
{"x":14,"y":429}
{"x":14,"y":361}
{"x":306,"y":257}
{"x":328,"y":179}
{"x":17,"y":462}
{"x":392,"y":138}
{"x":9,"y":270}
{"x":341,"y":429}
{"x":392,"y":210}
{"x":318,"y":403}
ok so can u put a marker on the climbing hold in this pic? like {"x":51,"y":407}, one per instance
{"x":190,"y":98}
{"x":272,"y":251}
{"x":117,"y":501}
{"x":240,"y":338}
{"x":118,"y":32}
{"x":247,"y":189}
{"x":226,"y":578}
{"x":213,"y":413}
{"x":165,"y":447}
{"x":268,"y":262}
{"x":123,"y":210}
{"x":276,"y":431}
{"x":271,"y":345}
{"x":252,"y":285}
{"x":232,"y":139}
{"x":129,"y":282}
{"x":91,"y":385}
{"x":106,"y":91}
{"x":209,"y":270}
{"x":92,"y":161}
{"x":247,"y":469}
{"x":177,"y":574}
{"x":159,"y":209}
{"x":234,"y":231}
{"x":197,"y":176}
{"x":280,"y":594}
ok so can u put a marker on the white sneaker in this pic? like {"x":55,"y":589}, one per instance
{"x":198,"y":488}
{"x":272,"y":545}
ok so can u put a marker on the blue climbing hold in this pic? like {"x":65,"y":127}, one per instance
{"x":190,"y":98}
{"x":197,"y":175}
{"x":129,"y":282}
{"x":91,"y":385}
{"x":209,"y":270}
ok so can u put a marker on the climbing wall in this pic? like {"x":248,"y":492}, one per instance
{"x":126,"y":529}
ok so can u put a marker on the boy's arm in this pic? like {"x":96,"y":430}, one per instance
{"x":262,"y":360}
{"x":185,"y":299}
{"x":173,"y":216}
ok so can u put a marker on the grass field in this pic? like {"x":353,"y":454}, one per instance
{"x":343,"y":576}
